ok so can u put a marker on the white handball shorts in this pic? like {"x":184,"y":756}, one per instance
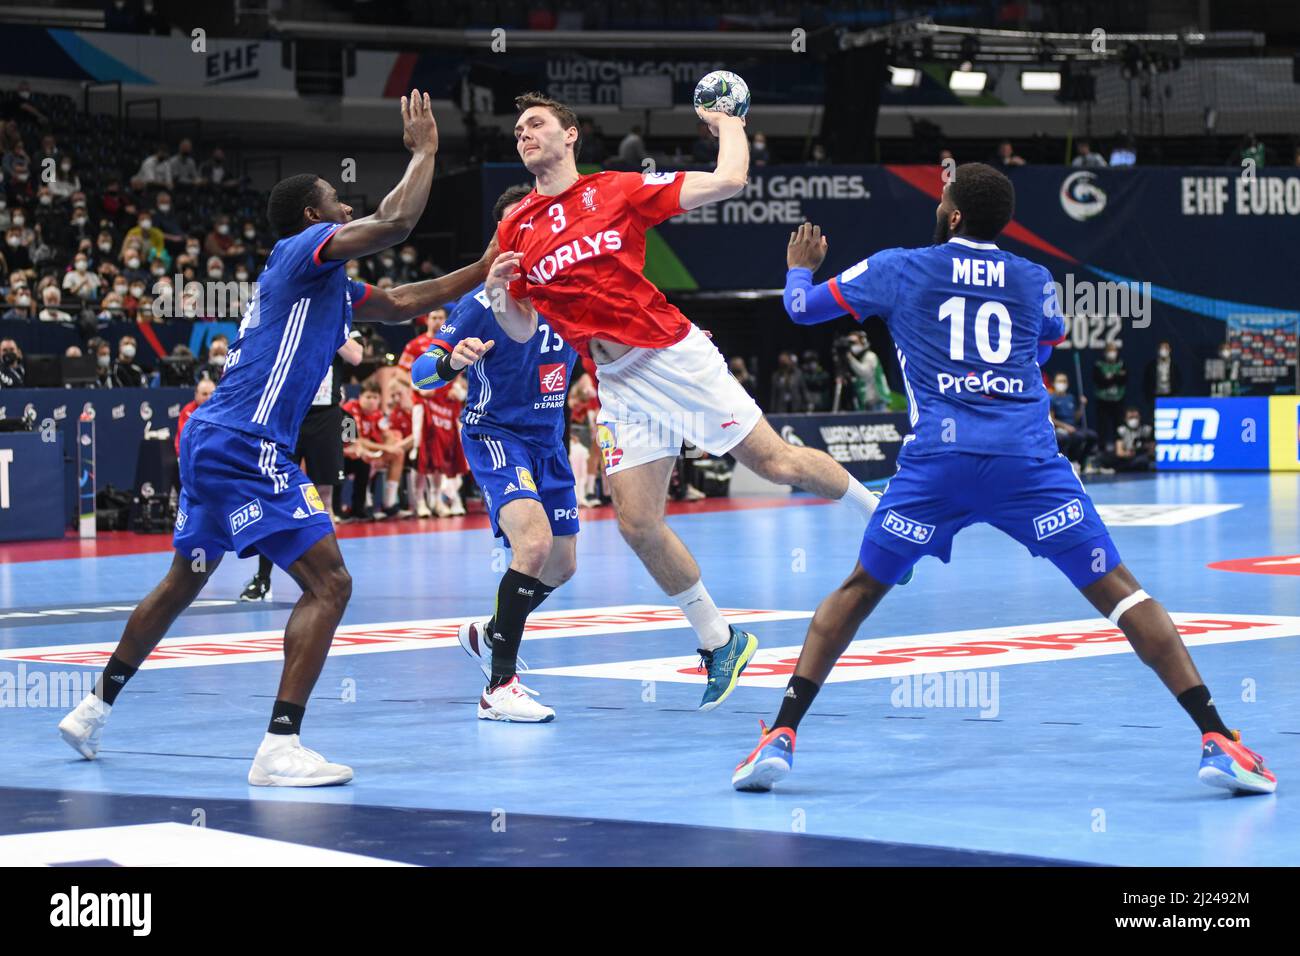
{"x":652,"y":400}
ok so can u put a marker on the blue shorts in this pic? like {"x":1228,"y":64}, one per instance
{"x":243,"y":494}
{"x":1039,"y":502}
{"x":508,"y":470}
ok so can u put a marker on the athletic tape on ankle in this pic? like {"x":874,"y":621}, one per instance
{"x":1137,"y":597}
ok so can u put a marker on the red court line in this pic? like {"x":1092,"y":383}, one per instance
{"x":113,"y":543}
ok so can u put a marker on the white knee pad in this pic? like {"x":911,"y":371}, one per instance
{"x":1137,"y":597}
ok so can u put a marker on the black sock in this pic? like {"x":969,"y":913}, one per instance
{"x":515,"y":599}
{"x":799,"y":694}
{"x":286,"y":718}
{"x":114,"y":678}
{"x":264,"y":568}
{"x":1200,"y":707}
{"x":542,"y":592}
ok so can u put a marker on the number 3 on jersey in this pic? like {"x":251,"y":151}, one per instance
{"x":954,"y":309}
{"x":556,"y":212}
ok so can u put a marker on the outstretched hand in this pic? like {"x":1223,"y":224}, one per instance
{"x":807,"y":248}
{"x":419,"y":129}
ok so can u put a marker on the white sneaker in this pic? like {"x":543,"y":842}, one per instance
{"x":474,"y":638}
{"x":455,"y":507}
{"x":82,"y":726}
{"x":440,"y":508}
{"x":422,"y":510}
{"x":282,"y":761}
{"x":512,"y":701}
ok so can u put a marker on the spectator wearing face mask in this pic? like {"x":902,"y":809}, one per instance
{"x":869,"y":384}
{"x":20,"y":106}
{"x":50,"y":298}
{"x":383,"y":266}
{"x":1074,"y":438}
{"x":12,"y":372}
{"x":1134,"y":444}
{"x":1223,"y":373}
{"x":165,"y":218}
{"x":126,"y":373}
{"x":1162,"y":377}
{"x":218,"y":350}
{"x":408,"y":268}
{"x":66,"y":181}
{"x":49,"y":218}
{"x":155,"y":170}
{"x":19,"y":299}
{"x":215,"y":269}
{"x":80,"y":281}
{"x":221,"y":242}
{"x":1110,"y":382}
{"x":22,"y":222}
{"x":104,"y":366}
{"x":255,"y":247}
{"x":113,"y":200}
{"x":133,"y":264}
{"x":150,"y":237}
{"x":17,"y":255}
{"x":110,"y":308}
{"x":758,"y":154}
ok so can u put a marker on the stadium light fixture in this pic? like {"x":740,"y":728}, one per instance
{"x":967,"y":82}
{"x":1040,"y":81}
{"x":904,"y":76}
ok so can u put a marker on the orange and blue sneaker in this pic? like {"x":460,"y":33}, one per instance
{"x":1228,"y":763}
{"x":770,"y":761}
{"x":724,"y":666}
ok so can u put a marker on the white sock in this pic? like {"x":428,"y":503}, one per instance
{"x":860,"y":498}
{"x":390,"y":493}
{"x":711,"y":627}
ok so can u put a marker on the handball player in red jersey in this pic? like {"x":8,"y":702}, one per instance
{"x":574,"y":249}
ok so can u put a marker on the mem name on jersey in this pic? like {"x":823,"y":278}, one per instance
{"x":940,"y":300}
{"x":297,"y":320}
{"x":584,"y":258}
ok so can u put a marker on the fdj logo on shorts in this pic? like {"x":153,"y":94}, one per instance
{"x":906,"y":528}
{"x":180,"y":519}
{"x":1058,"y":519}
{"x":525,"y":478}
{"x":249,"y":513}
{"x":312,"y":498}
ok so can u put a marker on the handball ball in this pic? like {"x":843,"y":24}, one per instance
{"x":722,"y":92}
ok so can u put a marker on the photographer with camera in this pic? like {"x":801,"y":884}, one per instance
{"x":858,"y":370}
{"x":12,"y":372}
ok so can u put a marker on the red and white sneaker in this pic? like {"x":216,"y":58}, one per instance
{"x":1230,"y":764}
{"x":473,"y":637}
{"x":512,"y":701}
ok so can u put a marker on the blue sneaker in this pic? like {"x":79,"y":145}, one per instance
{"x":725,"y":665}
{"x":769,"y":762}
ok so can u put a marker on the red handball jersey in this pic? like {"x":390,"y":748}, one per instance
{"x":367,"y":422}
{"x":584,"y":258}
{"x":414,"y":349}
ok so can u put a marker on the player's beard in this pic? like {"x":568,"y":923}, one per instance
{"x":941,"y":231}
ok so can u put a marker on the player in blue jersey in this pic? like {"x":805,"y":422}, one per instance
{"x":514,"y":443}
{"x":242,"y":490}
{"x":972,"y":325}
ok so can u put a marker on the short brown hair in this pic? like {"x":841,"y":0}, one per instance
{"x":564,"y":114}
{"x":372,"y":385}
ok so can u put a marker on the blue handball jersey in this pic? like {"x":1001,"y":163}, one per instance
{"x":518,"y":389}
{"x":967,"y":319}
{"x":292,"y":327}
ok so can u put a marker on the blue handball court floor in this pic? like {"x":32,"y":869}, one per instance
{"x":1015,"y":749}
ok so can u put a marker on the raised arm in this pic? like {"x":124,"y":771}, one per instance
{"x":732,"y":172}
{"x":806,"y":303}
{"x":400,"y":210}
